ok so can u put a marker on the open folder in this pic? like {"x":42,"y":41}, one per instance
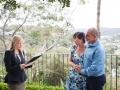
{"x":33,"y":59}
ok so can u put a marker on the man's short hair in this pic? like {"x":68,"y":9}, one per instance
{"x":94,"y":31}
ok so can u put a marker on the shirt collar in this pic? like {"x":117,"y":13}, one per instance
{"x":94,"y":44}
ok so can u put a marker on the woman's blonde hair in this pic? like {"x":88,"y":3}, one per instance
{"x":15,"y":40}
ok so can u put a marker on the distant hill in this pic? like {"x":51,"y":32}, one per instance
{"x":104,"y":31}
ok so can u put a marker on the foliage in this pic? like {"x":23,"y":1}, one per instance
{"x":2,"y":73}
{"x":111,"y":44}
{"x":3,"y":86}
{"x":43,"y":25}
{"x":111,"y":48}
{"x":51,"y":69}
{"x":12,"y":4}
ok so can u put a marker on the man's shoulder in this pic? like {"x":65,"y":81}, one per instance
{"x":100,"y":49}
{"x":101,"y":46}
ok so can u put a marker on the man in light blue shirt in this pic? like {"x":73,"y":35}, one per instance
{"x":94,"y":59}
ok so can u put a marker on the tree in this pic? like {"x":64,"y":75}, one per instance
{"x":9,"y":16}
{"x":37,"y":14}
{"x":98,"y":15}
{"x":12,"y":4}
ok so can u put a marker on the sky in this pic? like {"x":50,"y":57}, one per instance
{"x":85,"y":15}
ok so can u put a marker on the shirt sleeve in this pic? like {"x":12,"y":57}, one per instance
{"x":96,"y":63}
{"x":7,"y":61}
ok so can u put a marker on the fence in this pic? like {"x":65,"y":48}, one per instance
{"x":52,"y":69}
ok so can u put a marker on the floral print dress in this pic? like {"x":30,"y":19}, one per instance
{"x":75,"y":80}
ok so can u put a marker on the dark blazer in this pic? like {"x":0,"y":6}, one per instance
{"x":15,"y":74}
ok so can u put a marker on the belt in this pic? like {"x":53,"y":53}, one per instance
{"x":98,"y":76}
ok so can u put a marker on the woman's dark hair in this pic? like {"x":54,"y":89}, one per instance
{"x":79,"y":35}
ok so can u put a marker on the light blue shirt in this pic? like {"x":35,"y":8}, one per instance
{"x":94,"y":59}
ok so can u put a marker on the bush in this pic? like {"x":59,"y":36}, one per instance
{"x":3,"y":86}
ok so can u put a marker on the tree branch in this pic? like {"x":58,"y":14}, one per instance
{"x":3,"y":40}
{"x":20,"y":25}
{"x":4,"y":43}
{"x":6,"y":22}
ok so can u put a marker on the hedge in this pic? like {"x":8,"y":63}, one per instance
{"x":3,"y":86}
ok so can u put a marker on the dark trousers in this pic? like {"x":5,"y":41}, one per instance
{"x":95,"y":83}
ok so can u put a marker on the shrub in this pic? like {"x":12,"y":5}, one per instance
{"x":3,"y":86}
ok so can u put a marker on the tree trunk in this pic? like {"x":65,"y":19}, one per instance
{"x":98,"y":15}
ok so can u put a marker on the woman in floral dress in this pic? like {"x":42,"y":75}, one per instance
{"x":75,"y":80}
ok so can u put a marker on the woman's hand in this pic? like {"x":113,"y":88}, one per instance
{"x":77,"y":68}
{"x":22,"y":66}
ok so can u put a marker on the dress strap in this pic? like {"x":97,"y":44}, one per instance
{"x":73,"y":49}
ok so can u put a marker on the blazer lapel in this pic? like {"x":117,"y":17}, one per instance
{"x":15,"y":58}
{"x":21,"y":56}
